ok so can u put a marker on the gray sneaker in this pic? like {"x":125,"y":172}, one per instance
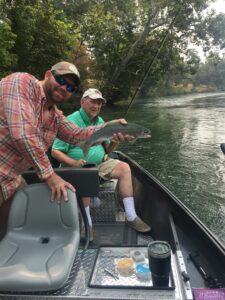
{"x":138,"y":225}
{"x":83,"y":236}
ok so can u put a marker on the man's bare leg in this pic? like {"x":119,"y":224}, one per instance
{"x":122,"y":172}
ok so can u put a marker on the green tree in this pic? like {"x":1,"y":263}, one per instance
{"x":122,"y":37}
{"x":7,"y":40}
{"x":212,"y":73}
{"x":43,"y":34}
{"x":112,"y":41}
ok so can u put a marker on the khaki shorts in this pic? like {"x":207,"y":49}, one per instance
{"x":106,"y":168}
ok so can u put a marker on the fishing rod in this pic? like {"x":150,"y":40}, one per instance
{"x":154,"y":58}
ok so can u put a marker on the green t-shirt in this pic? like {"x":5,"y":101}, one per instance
{"x":96,"y":153}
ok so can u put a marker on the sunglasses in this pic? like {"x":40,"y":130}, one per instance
{"x":62,"y":81}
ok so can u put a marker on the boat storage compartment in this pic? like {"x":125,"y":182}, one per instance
{"x":108,"y":191}
{"x":107,"y":274}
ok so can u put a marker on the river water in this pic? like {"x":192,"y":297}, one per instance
{"x":184,"y":150}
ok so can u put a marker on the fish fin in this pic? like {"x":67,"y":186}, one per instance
{"x":84,"y":147}
{"x":133,"y":141}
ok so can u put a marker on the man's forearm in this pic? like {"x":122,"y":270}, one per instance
{"x":62,"y":157}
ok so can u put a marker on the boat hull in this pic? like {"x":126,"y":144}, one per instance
{"x":170,"y":220}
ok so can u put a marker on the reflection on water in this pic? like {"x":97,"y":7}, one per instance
{"x":184,"y":150}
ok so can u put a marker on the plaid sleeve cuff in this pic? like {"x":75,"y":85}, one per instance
{"x":45,"y":174}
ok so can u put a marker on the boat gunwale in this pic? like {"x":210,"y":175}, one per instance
{"x":213,"y":238}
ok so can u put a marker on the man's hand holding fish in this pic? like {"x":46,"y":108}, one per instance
{"x":120,"y":137}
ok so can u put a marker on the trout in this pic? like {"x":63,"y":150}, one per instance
{"x":106,"y":133}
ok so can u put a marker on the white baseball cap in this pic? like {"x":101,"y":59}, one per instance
{"x":93,"y":94}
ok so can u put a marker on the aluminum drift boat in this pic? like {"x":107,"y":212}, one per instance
{"x":197,"y":261}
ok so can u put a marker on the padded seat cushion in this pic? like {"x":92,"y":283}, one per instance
{"x":41,"y":242}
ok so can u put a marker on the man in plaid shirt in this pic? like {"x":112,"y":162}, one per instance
{"x":30,"y":121}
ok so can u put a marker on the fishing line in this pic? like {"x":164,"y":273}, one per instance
{"x":154,"y":58}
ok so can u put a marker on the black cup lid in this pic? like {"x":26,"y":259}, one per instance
{"x":159,"y":249}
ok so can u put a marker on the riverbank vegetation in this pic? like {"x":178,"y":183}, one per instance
{"x":113,"y":42}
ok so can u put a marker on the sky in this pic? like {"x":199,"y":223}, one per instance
{"x":219,"y":6}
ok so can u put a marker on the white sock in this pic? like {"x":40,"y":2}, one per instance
{"x":130,"y":212}
{"x":87,"y":209}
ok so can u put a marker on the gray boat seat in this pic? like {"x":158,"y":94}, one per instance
{"x":39,"y":248}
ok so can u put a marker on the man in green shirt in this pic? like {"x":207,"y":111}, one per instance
{"x":69,"y":155}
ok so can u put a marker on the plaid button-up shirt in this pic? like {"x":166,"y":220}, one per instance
{"x":24,"y":135}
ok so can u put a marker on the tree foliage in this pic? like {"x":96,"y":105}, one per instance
{"x":43,"y":35}
{"x":212,"y":73}
{"x":7,"y":41}
{"x":112,"y":42}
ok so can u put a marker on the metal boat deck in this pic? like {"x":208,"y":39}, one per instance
{"x":77,"y":286}
{"x":170,"y":221}
{"x":110,"y":234}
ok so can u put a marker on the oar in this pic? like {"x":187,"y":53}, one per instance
{"x":222,"y":146}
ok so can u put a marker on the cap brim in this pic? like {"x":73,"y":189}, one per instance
{"x":96,"y":96}
{"x":68,"y":73}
